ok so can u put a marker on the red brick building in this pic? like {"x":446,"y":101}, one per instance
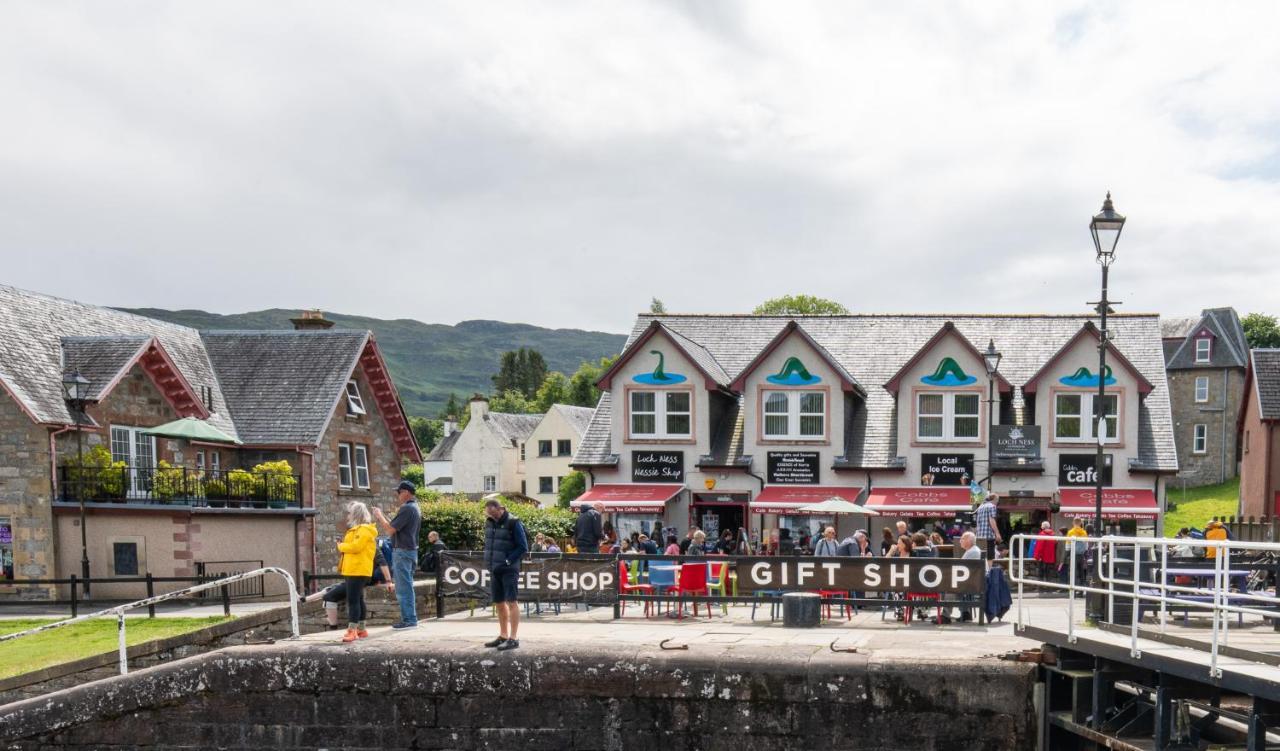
{"x":1260,"y":436}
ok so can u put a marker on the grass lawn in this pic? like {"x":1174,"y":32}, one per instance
{"x":82,"y":639}
{"x":1201,"y":505}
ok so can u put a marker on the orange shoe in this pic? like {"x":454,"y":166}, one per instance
{"x":350,"y":636}
{"x":362,"y":633}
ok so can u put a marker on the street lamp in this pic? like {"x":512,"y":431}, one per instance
{"x":1105,"y":227}
{"x":991,"y":359}
{"x":75,"y":389}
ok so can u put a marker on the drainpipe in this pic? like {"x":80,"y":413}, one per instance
{"x":311,"y":499}
{"x":53,"y":493}
{"x":1222,"y":463}
{"x":1159,"y":505}
{"x":1267,"y":495}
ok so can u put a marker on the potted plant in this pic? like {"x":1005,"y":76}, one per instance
{"x":239,"y":485}
{"x":168,"y":481}
{"x":277,"y":483}
{"x":215,"y":492}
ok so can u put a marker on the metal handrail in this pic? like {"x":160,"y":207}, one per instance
{"x":119,"y":610}
{"x":1219,"y":606}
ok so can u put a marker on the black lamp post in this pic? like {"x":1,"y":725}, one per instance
{"x":991,"y":358}
{"x":1105,"y":227}
{"x":76,"y":391}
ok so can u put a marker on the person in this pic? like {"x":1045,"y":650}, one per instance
{"x":855,"y":545}
{"x":969,"y":544}
{"x":744,"y":542}
{"x":984,"y":522}
{"x":1046,"y":550}
{"x":404,"y":529}
{"x":886,"y":541}
{"x":356,"y":565}
{"x":688,"y":539}
{"x":624,"y":546}
{"x":1214,"y":530}
{"x":647,"y":546}
{"x":569,"y":547}
{"x":903,"y":529}
{"x":539,"y":543}
{"x":431,"y":558}
{"x":727,"y":545}
{"x":936,"y":539}
{"x":920,"y":547}
{"x":697,"y":545}
{"x":827,"y":546}
{"x":505,"y":543}
{"x":902,"y":549}
{"x":1183,"y":550}
{"x":587,"y":530}
{"x":673,"y":546}
{"x":551,"y":546}
{"x":1078,"y":536}
{"x":336,"y":593}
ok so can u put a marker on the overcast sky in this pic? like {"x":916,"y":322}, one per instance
{"x":560,"y":163}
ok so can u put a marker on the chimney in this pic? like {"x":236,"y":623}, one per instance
{"x":450,"y":426}
{"x":311,"y":320}
{"x":479,"y":407}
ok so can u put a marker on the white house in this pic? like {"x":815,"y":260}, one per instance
{"x":489,"y":454}
{"x":549,"y":449}
{"x":437,"y":467}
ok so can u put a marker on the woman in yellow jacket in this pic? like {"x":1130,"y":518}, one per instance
{"x":356,"y":565}
{"x":1214,"y":531}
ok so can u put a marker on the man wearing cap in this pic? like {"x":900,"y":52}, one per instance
{"x":403,"y":529}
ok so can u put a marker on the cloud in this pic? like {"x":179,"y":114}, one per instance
{"x":562,"y":164}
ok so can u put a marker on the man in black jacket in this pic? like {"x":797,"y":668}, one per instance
{"x":505,"y":544}
{"x":588,"y":530}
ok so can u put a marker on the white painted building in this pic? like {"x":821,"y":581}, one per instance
{"x":549,"y":449}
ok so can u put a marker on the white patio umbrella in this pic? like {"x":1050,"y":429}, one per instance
{"x":837,"y":506}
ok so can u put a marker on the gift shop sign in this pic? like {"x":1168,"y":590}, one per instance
{"x":928,"y":575}
{"x":657,"y":466}
{"x":793,"y":468}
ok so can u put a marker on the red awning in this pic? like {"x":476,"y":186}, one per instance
{"x":630,"y":498}
{"x":1117,"y":503}
{"x":928,"y":501}
{"x":786,"y":499}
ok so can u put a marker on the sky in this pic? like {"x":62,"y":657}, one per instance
{"x":563,"y":163}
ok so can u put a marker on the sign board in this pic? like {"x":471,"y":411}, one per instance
{"x":554,"y":579}
{"x":926,"y":575}
{"x":1013,"y":442}
{"x":1080,"y":470}
{"x":793,"y":468}
{"x":947,"y":469}
{"x":657,"y":466}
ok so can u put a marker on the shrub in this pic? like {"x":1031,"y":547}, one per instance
{"x":275,"y":481}
{"x":413,"y":473}
{"x":96,"y":475}
{"x":239,"y":483}
{"x":168,"y":481}
{"x":460,"y":521}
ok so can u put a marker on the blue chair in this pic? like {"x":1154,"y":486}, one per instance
{"x":662,"y":578}
{"x":775,"y":600}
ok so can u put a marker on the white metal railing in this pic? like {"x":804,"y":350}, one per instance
{"x":1221,"y":603}
{"x":120,"y":610}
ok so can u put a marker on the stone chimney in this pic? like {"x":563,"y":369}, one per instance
{"x":311,"y":320}
{"x":450,"y":426}
{"x":479,"y":407}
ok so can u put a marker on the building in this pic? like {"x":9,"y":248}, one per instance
{"x":1205,"y":358}
{"x":550,"y":449}
{"x":1259,"y":439}
{"x":316,"y":398}
{"x":437,"y":468}
{"x":489,"y":455}
{"x":735,"y":421}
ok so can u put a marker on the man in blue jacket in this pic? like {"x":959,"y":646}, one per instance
{"x":505,"y":545}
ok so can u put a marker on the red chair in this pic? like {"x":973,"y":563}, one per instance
{"x":693,"y":583}
{"x":827,"y":595}
{"x":917,"y":596}
{"x":626,"y":587}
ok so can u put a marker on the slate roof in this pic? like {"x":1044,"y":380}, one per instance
{"x":443,"y":451}
{"x":873,"y":347}
{"x":33,"y":327}
{"x":577,"y":417}
{"x":1177,"y":328}
{"x":282,"y":386}
{"x":596,"y":449}
{"x":1266,"y":374}
{"x":512,"y":428}
{"x":1230,"y":349}
{"x":99,"y":359}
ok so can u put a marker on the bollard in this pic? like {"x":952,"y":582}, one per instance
{"x":74,"y":601}
{"x":226,"y":600}
{"x":151,"y":592}
{"x":801,"y":610}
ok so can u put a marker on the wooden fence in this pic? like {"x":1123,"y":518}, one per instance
{"x":1252,"y":529}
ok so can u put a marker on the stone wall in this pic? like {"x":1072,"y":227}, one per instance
{"x":1218,"y":414}
{"x":26,"y":490}
{"x":396,"y":694}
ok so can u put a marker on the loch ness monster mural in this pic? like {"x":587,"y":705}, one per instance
{"x":659,"y":376}
{"x":949,"y":373}
{"x":793,"y":373}
{"x":1084,"y":377}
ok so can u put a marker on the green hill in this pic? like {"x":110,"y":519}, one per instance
{"x":429,"y":360}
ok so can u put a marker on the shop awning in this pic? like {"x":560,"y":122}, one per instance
{"x":630,"y":498}
{"x":787,"y":499}
{"x":1117,"y":503}
{"x":920,"y":502}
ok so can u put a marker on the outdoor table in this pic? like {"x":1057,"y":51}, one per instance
{"x":1204,"y":573}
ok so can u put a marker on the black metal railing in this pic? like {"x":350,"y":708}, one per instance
{"x":215,"y":570}
{"x":235,"y":488}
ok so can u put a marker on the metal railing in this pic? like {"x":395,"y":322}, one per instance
{"x":248,"y":588}
{"x":120,"y":610}
{"x":1217,"y":598}
{"x":234,"y":488}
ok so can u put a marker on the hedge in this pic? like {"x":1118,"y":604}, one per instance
{"x":460,"y":521}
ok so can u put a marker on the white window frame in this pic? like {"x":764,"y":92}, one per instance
{"x":1087,"y":424}
{"x":1202,"y":389}
{"x":949,"y":417}
{"x":522,"y":449}
{"x":360,"y":456}
{"x":345,"y":449}
{"x":215,"y":460}
{"x":355,"y":404}
{"x":200,"y":460}
{"x":793,"y":415}
{"x":490,"y":483}
{"x":661,"y":414}
{"x":1206,"y":350}
{"x":1200,"y":438}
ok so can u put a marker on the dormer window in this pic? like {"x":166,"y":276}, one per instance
{"x":1204,"y":347}
{"x":947,"y":416}
{"x":795,"y":415}
{"x":661,"y":414}
{"x":355,"y":405}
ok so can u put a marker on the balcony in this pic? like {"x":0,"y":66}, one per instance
{"x":179,"y":486}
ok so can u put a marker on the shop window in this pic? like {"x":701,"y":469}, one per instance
{"x":1073,"y":417}
{"x":362,"y":466}
{"x":355,"y":405}
{"x":545,"y":484}
{"x":1202,"y":389}
{"x":795,"y":415}
{"x":344,"y":465}
{"x":6,"y":547}
{"x":948,"y":416}
{"x":661,"y":414}
{"x":1204,"y":349}
{"x":564,"y":448}
{"x":1200,"y":439}
{"x":490,"y":483}
{"x":544,"y":448}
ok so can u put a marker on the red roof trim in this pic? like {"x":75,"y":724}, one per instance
{"x":1144,"y":386}
{"x":160,"y":368}
{"x":792,"y":327}
{"x":606,"y":381}
{"x":948,"y":328}
{"x":388,"y":400}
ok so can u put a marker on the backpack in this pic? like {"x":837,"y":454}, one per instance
{"x":1197,"y":534}
{"x":384,"y":550}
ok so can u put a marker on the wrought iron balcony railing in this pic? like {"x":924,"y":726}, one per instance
{"x":235,"y":488}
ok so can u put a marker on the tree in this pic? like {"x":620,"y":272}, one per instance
{"x":427,"y":431}
{"x":554,"y":390}
{"x":799,"y":305}
{"x":656,"y":307}
{"x":452,"y":409}
{"x":1261,"y":330}
{"x":520,"y":370}
{"x":573,"y":485}
{"x":413,"y":473}
{"x":582,"y":384}
{"x":512,"y":402}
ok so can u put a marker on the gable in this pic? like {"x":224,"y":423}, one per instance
{"x":947,"y":360}
{"x":661,"y":344}
{"x":789,"y":359}
{"x":1075,"y":365}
